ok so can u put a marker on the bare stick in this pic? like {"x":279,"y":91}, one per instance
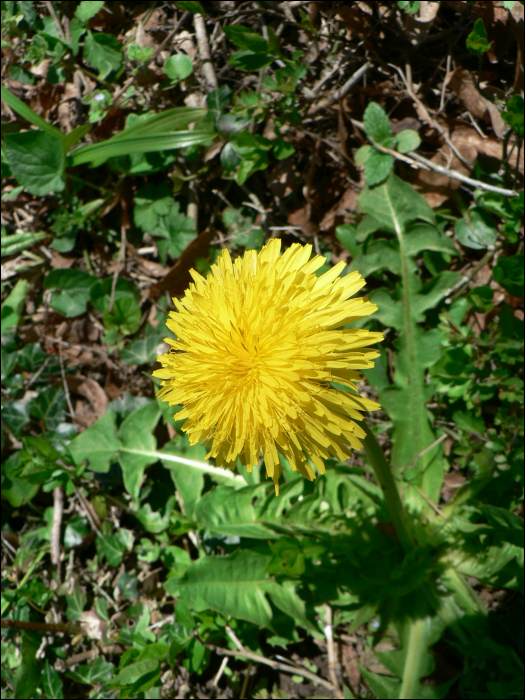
{"x":413,"y":158}
{"x":462,"y":178}
{"x":69,"y":627}
{"x":328,"y":632}
{"x":276,"y":665}
{"x":53,"y":14}
{"x":83,"y":348}
{"x":58,"y":508}
{"x":204,"y":50}
{"x":339,"y":94}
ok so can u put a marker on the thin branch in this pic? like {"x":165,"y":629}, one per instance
{"x":204,"y":50}
{"x":462,"y":178}
{"x":339,"y":94}
{"x":58,"y":509}
{"x":293,"y":670}
{"x":71,"y":628}
{"x":456,"y":289}
{"x":83,"y":348}
{"x":329,"y":634}
{"x":54,"y":15}
{"x":415,"y":160}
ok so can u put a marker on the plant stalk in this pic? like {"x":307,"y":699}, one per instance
{"x":388,"y":485}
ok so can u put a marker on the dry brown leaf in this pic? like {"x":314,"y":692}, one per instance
{"x":351,"y":666}
{"x":462,"y":83}
{"x":92,"y":391}
{"x":417,"y":26}
{"x":59,"y":262}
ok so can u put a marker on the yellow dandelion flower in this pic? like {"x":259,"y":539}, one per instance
{"x":256,"y":353}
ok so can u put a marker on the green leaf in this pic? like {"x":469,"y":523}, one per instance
{"x":191,"y":6}
{"x":513,"y":115}
{"x":27,"y":113}
{"x":113,"y":547}
{"x":28,"y":673}
{"x":232,"y":585}
{"x":377,"y":124}
{"x":98,"y":153}
{"x":37,"y":161}
{"x":481,"y":298}
{"x":230,"y":159}
{"x":407,"y":140}
{"x":17,"y":491}
{"x":124,"y":317}
{"x":394,"y":204}
{"x":13,"y":305}
{"x":18,"y":242}
{"x":507,"y":525}
{"x":52,"y":682}
{"x":98,"y":444}
{"x":189,"y":482}
{"x":282,"y":149}
{"x":136,"y":435}
{"x":74,"y":136}
{"x":76,"y":602}
{"x":100,"y":292}
{"x":246,"y":38}
{"x":15,"y":416}
{"x":411,"y":7}
{"x":178,"y":67}
{"x":143,"y":350}
{"x":250,"y":61}
{"x":377,"y":167}
{"x":433,"y":292}
{"x":477,"y":229}
{"x":508,"y":272}
{"x":98,"y":671}
{"x":136,"y":672}
{"x":75,"y":285}
{"x":363,"y":154}
{"x":49,"y":406}
{"x":103,"y":52}
{"x":88,"y":9}
{"x":420,"y":237}
{"x":477,"y":42}
{"x":409,"y":204}
{"x":232,"y":513}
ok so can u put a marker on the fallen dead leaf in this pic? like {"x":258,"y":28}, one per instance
{"x":92,"y":391}
{"x":462,"y":83}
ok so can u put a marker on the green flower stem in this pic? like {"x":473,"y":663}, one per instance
{"x":386,"y":481}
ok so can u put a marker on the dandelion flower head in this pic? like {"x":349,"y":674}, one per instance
{"x":256,"y":354}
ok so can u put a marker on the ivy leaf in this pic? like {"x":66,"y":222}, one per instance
{"x":125,"y":316}
{"x":143,"y":350}
{"x":75,"y":286}
{"x":509,"y":273}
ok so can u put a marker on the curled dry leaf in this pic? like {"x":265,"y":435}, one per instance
{"x":93,"y":625}
{"x":462,"y":83}
{"x":92,"y":391}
